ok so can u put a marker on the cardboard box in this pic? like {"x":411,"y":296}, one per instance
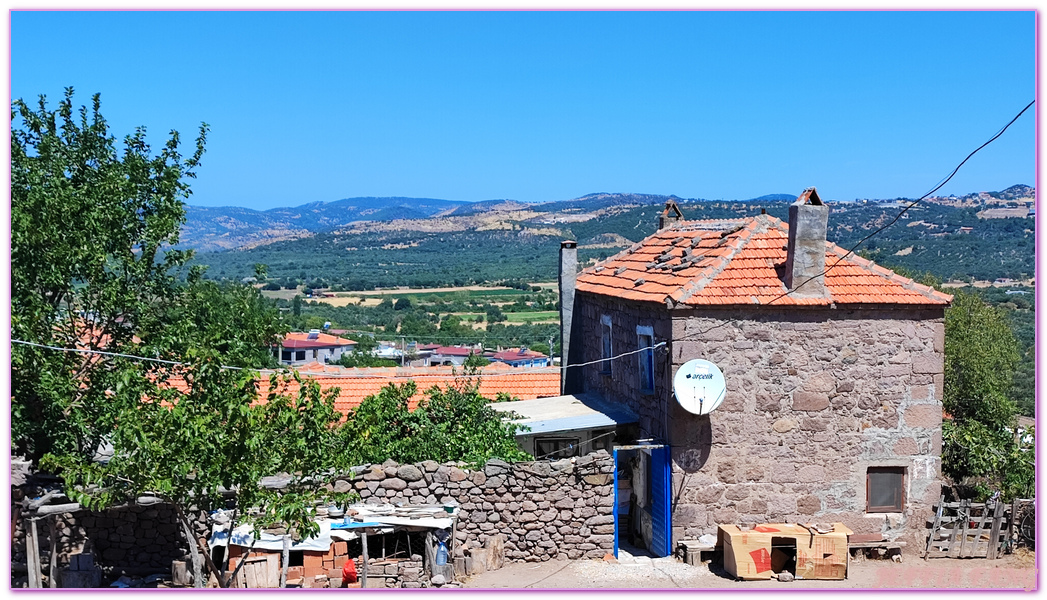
{"x":770,"y":548}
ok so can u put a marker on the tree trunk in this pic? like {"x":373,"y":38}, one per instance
{"x":194,"y":553}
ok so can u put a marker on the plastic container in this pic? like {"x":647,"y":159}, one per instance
{"x":441,"y":554}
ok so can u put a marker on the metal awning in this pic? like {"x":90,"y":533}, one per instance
{"x":567,"y":413}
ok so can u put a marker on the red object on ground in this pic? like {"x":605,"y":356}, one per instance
{"x":348,"y":572}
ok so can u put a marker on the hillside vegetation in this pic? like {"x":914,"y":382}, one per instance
{"x":505,"y":241}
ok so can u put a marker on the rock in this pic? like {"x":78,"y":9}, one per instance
{"x":409,"y":473}
{"x":496,"y":466}
{"x":785,"y":576}
{"x":394,"y":483}
{"x":438,"y":580}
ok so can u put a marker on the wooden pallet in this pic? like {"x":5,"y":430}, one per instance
{"x":968,"y":529}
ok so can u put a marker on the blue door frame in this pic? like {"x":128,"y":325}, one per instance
{"x":661,"y":498}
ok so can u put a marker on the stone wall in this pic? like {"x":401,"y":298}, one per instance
{"x":132,"y":539}
{"x":814,"y":398}
{"x":544,"y":510}
{"x":623,"y":384}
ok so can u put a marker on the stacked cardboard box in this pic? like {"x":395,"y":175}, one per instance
{"x":764,"y":550}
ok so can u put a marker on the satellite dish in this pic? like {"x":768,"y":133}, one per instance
{"x":699,"y":386}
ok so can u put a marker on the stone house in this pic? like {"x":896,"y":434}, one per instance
{"x":833,"y":379}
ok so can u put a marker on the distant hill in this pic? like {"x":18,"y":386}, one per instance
{"x":775,"y":198}
{"x":1015,"y":192}
{"x":227,"y":227}
{"x":508,"y":241}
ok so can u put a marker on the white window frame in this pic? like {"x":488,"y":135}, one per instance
{"x":645,"y":357}
{"x":606,"y":344}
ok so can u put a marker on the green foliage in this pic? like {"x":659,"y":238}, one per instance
{"x":980,"y":356}
{"x":495,"y":315}
{"x":980,"y":447}
{"x":91,"y":228}
{"x":450,"y":424}
{"x":185,"y":448}
{"x":475,"y":361}
{"x":93,"y":268}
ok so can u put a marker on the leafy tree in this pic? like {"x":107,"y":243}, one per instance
{"x":402,"y":304}
{"x":91,"y":230}
{"x":495,"y":314}
{"x":541,"y":347}
{"x":453,"y":423}
{"x":296,"y":305}
{"x":185,"y":448}
{"x":475,"y":361}
{"x":980,"y":446}
{"x":93,"y":269}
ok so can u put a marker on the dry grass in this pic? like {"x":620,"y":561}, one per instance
{"x":1024,"y":557}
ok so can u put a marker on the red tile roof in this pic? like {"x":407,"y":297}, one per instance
{"x":301,"y":339}
{"x":740,"y":262}
{"x":517,"y":354}
{"x":454,"y":351}
{"x":356,"y":384}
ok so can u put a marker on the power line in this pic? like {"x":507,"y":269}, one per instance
{"x":550,"y":369}
{"x":882,"y":228}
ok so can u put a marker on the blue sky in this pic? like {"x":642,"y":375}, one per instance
{"x":540,"y":106}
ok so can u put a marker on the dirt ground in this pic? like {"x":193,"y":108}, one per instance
{"x":1015,"y":572}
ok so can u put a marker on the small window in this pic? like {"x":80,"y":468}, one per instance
{"x":645,"y":343}
{"x":885,"y":489}
{"x":285,"y":356}
{"x":299,"y":355}
{"x":555,"y":447}
{"x":605,"y":344}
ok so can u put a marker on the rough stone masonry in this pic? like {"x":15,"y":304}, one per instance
{"x":545,"y":510}
{"x":814,"y":399}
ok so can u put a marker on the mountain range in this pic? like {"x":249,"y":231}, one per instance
{"x":229,"y":227}
{"x":358,"y":244}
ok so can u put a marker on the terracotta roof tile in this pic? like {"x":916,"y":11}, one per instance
{"x":356,"y":384}
{"x":739,"y":261}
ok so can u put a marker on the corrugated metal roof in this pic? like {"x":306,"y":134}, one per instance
{"x":567,"y":413}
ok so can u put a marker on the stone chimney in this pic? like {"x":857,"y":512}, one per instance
{"x":570,"y":379}
{"x":670,"y":215}
{"x":805,"y":260}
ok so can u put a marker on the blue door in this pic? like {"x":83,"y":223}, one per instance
{"x":660,"y":474}
{"x":661,"y":496}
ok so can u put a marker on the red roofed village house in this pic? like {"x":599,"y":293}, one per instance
{"x":833,"y":381}
{"x":298,"y":348}
{"x":521,"y":357}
